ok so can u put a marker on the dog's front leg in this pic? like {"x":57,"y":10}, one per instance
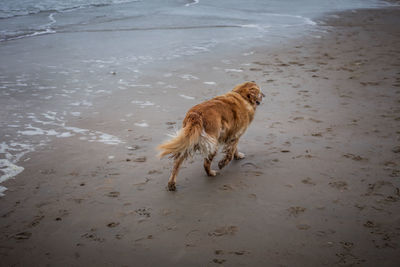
{"x":172,"y":179}
{"x":229,"y":150}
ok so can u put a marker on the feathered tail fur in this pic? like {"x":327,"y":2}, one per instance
{"x":186,"y":141}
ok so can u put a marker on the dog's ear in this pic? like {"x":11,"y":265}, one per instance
{"x":252,"y":95}
{"x":243,"y":88}
{"x":249,"y":91}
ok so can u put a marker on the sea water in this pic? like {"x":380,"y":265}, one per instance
{"x":56,"y":55}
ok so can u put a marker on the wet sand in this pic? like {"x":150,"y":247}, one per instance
{"x":319,"y":186}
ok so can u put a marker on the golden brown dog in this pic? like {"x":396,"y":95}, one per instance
{"x":219,"y":121}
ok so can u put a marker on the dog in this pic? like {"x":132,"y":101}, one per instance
{"x":219,"y":121}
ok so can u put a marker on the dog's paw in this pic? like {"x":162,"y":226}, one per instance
{"x":212,"y":173}
{"x":240,"y":155}
{"x":222,"y":164}
{"x":171,"y":186}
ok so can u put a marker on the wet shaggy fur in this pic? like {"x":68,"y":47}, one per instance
{"x":219,"y":121}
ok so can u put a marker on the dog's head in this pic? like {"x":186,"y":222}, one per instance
{"x":251,"y":92}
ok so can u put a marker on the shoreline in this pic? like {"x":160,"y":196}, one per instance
{"x":318,"y":186}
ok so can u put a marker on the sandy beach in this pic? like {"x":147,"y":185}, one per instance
{"x":319,"y":186}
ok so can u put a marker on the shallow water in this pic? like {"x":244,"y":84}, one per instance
{"x":59,"y":57}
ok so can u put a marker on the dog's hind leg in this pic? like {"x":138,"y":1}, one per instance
{"x":207,"y":165}
{"x":229,"y":150}
{"x":172,"y":179}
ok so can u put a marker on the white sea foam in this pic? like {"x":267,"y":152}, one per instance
{"x":102,"y":92}
{"x":75,"y":113}
{"x":201,"y":48}
{"x":305,"y":19}
{"x":141,"y":124}
{"x":33,"y":131}
{"x":77,"y":130}
{"x":187,"y":97}
{"x":189,"y":77}
{"x":108,"y":139}
{"x":248,"y":53}
{"x":2,"y":190}
{"x":255,"y":26}
{"x":12,"y":153}
{"x":142,"y":103}
{"x":81,"y":103}
{"x":140,"y":85}
{"x":210,"y":83}
{"x":9,"y":170}
{"x":65,"y":134}
{"x":233,"y":70}
{"x":46,"y":87}
{"x":193,"y":2}
{"x":96,"y":136}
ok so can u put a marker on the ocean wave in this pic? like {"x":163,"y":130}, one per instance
{"x":155,"y":28}
{"x":12,"y":8}
{"x":8,"y":36}
{"x":192,"y":2}
{"x":306,"y":20}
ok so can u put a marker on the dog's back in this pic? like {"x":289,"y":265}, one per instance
{"x":208,"y":124}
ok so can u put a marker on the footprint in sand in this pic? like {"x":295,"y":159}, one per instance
{"x":113,"y":194}
{"x":36,"y":220}
{"x":154,"y":172}
{"x":91,"y":235}
{"x":144,"y":238}
{"x":395,"y":173}
{"x":112,"y":224}
{"x":308,"y":181}
{"x":354,"y":157}
{"x":22,"y":235}
{"x":303,"y":226}
{"x":145,"y":212}
{"x":318,"y":134}
{"x":347,"y":245}
{"x":324,"y":233}
{"x":315,"y":120}
{"x":62,"y":213}
{"x":140,"y":159}
{"x":254,"y":173}
{"x":384,"y":189}
{"x":48,"y":172}
{"x":396,"y":149}
{"x":340,"y":185}
{"x":370,"y":224}
{"x":224,"y":230}
{"x":226,"y":187}
{"x":238,"y":252}
{"x":295,"y":211}
{"x":298,"y":118}
{"x":219,"y":261}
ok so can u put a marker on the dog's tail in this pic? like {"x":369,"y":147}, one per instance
{"x":186,"y":140}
